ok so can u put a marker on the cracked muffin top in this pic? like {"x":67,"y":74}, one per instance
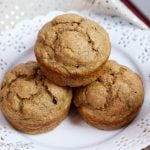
{"x":71,"y":44}
{"x":117,"y":93}
{"x":27,"y":94}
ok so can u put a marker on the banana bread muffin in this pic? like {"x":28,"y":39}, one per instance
{"x":71,"y":49}
{"x":113,"y":100}
{"x":30,"y":102}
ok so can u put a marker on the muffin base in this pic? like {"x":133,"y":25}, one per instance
{"x":42,"y":128}
{"x":75,"y":80}
{"x":107,"y":125}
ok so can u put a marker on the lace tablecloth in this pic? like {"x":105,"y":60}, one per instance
{"x":13,"y":11}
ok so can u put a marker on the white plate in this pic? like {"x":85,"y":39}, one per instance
{"x":130,"y":46}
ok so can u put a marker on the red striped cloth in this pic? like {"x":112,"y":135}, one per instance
{"x":137,"y":12}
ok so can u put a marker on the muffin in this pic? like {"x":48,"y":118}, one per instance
{"x":71,"y":50}
{"x":113,"y":100}
{"x":30,"y":102}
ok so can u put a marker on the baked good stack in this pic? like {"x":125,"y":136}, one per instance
{"x":72,"y":54}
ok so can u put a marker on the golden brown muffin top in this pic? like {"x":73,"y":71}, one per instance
{"x":27,"y":94}
{"x":71,"y":44}
{"x":116,"y":93}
